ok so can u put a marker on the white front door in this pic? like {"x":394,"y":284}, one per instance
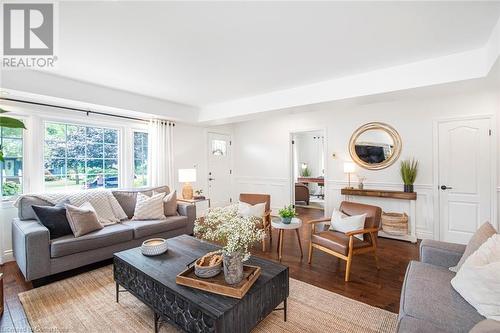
{"x":219,"y":169}
{"x":465,"y":177}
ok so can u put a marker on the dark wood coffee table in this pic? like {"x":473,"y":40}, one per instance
{"x":152,"y":280}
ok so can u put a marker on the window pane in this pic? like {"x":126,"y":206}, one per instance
{"x":56,"y":132}
{"x":111,"y":167}
{"x":76,"y":134}
{"x":110,"y":151}
{"x":12,"y":147}
{"x":111,"y":136}
{"x":55,"y":149}
{"x":219,"y":147}
{"x":11,"y":169}
{"x":140,"y":158}
{"x":95,"y":135}
{"x":12,"y":132}
{"x":11,"y":186}
{"x":77,"y":158}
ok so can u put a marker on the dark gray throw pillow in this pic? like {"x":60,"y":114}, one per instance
{"x":54,"y":218}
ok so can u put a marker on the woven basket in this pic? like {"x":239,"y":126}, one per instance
{"x":395,"y":223}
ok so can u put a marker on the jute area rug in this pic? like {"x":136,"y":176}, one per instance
{"x":86,"y":303}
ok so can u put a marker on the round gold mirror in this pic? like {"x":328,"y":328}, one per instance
{"x":375,"y":146}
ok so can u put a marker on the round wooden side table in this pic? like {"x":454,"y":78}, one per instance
{"x":294,"y":225}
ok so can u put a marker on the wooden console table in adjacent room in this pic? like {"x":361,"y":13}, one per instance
{"x":398,"y":195}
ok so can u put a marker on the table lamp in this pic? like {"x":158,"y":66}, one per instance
{"x":187,"y":176}
{"x":349,"y":168}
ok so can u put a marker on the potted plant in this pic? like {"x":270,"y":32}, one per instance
{"x":9,"y":123}
{"x":287,"y":214}
{"x":306,"y":172}
{"x":409,"y":171}
{"x":235,"y":233}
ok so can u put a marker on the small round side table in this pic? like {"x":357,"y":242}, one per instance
{"x":294,"y":225}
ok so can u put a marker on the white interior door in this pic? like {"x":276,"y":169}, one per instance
{"x":465,"y":177}
{"x":219,"y":169}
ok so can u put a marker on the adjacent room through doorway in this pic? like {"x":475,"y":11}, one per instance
{"x":308,"y":159}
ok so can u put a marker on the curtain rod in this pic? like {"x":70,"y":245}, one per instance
{"x":75,"y":109}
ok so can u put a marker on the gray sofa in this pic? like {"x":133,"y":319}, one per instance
{"x":37,"y":256}
{"x":428,"y":301}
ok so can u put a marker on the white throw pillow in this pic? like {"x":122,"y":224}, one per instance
{"x":344,"y":223}
{"x":478,"y":280}
{"x":149,"y":208}
{"x":245,"y":209}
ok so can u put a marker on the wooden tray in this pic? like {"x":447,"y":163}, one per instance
{"x":217,"y":284}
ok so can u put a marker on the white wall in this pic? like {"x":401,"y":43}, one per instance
{"x":262,"y":162}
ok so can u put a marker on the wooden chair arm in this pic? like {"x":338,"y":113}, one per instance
{"x":323,"y":220}
{"x":361,"y":231}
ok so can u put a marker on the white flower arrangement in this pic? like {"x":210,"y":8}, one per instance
{"x":235,"y":232}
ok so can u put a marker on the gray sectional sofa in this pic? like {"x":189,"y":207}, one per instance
{"x":37,"y":256}
{"x":428,"y":301}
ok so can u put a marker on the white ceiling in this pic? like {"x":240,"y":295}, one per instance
{"x":203,"y":53}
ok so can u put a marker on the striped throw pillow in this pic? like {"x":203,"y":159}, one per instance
{"x":149,"y":208}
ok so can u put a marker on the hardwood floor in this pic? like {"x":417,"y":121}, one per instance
{"x":378,"y":288}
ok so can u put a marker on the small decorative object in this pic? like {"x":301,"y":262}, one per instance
{"x":199,"y":195}
{"x":187,"y":176}
{"x":235,"y":232}
{"x":154,"y":247}
{"x":287,"y":214}
{"x":409,"y":171}
{"x":209,"y":265}
{"x":305,"y":170}
{"x":361,"y":181}
{"x":349,"y":168}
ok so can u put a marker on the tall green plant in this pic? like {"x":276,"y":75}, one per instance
{"x":8,"y":122}
{"x":409,"y":171}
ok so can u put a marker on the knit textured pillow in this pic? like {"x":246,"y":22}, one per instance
{"x":149,"y":208}
{"x":480,"y":236}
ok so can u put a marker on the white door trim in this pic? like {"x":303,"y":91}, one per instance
{"x":290,"y":164}
{"x":435,"y":168}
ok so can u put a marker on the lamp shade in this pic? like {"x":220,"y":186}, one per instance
{"x":187,"y":175}
{"x":349,"y":167}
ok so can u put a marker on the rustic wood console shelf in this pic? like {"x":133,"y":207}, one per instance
{"x":380,"y":193}
{"x":411,"y":209}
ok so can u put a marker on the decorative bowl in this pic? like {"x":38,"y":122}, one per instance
{"x":210,"y":270}
{"x":154,"y":246}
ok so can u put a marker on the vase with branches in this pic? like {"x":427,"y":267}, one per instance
{"x":409,"y":172}
{"x":236,"y":233}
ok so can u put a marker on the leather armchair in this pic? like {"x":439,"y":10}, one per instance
{"x":253,"y":199}
{"x":345,"y":245}
{"x":301,"y":193}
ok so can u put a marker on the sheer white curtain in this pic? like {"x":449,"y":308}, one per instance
{"x":161,"y":153}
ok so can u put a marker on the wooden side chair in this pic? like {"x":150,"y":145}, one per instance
{"x":253,"y":199}
{"x":345,"y":245}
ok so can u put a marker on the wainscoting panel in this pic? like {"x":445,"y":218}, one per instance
{"x":279,"y":189}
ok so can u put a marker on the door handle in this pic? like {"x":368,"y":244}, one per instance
{"x":211,"y":178}
{"x":444,"y":187}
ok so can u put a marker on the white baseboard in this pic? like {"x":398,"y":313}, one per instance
{"x":7,"y":256}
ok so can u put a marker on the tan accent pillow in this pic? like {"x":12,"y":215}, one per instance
{"x":480,"y":236}
{"x":149,"y":208}
{"x":170,"y":204}
{"x":82,"y":220}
